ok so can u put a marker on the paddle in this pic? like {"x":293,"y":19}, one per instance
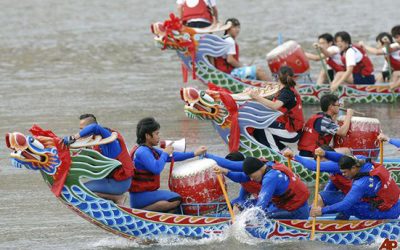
{"x":323,"y":63}
{"x":381,"y":152}
{"x":387,"y":46}
{"x":228,"y":202}
{"x":316,"y":193}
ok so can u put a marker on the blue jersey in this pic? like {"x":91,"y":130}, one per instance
{"x":274,"y":182}
{"x":145,"y":160}
{"x":112,"y":149}
{"x":395,"y":142}
{"x":361,"y":188}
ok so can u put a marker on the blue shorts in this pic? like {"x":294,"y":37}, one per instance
{"x":143,"y":199}
{"x":364,"y":211}
{"x":360,"y":79}
{"x":109,"y":186}
{"x":302,"y":213}
{"x":331,"y":197}
{"x":246,"y":72}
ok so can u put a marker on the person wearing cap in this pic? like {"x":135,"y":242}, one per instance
{"x":279,"y":186}
{"x":232,"y":167}
{"x":287,"y":127}
{"x":230,"y":62}
{"x":373,"y":193}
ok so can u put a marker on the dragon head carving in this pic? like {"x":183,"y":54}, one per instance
{"x":205,"y":105}
{"x":35,"y":153}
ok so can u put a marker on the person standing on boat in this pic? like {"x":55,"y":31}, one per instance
{"x":393,"y":141}
{"x":198,"y":13}
{"x":321,"y":127}
{"x":359,"y":67}
{"x":287,"y":127}
{"x":150,"y":162}
{"x":118,"y":182}
{"x":230,"y":62}
{"x":280,"y":186}
{"x":396,"y":36}
{"x":373,"y":194}
{"x":331,"y":53}
{"x":394,"y":56}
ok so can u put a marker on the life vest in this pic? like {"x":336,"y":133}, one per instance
{"x":293,"y":118}
{"x":252,"y":187}
{"x":144,"y":180}
{"x":201,"y":10}
{"x":364,"y":66}
{"x":394,"y":63}
{"x":310,"y":138}
{"x":222,"y":64}
{"x":341,"y":183}
{"x":127,"y":168}
{"x":389,"y":193}
{"x":296,"y":194}
{"x":336,"y":65}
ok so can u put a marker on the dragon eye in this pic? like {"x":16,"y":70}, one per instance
{"x":207,"y":97}
{"x":36,"y":143}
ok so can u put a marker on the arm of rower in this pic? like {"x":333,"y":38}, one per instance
{"x":215,"y":16}
{"x":146,"y":158}
{"x":312,"y":57}
{"x":275,"y":105}
{"x":333,"y":156}
{"x":269,"y":185}
{"x":395,"y":142}
{"x":238,"y":177}
{"x":93,"y":129}
{"x":326,"y":166}
{"x":373,"y":50}
{"x":236,"y":166}
{"x":233,"y":62}
{"x":342,"y":131}
{"x":355,"y":194}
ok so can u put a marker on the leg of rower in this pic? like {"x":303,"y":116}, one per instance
{"x":163,"y":206}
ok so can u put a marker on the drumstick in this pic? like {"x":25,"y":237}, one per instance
{"x":355,"y":112}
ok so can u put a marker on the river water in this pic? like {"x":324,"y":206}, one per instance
{"x":59,"y":59}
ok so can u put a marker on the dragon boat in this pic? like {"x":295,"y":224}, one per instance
{"x":232,"y":115}
{"x":65,"y":172}
{"x":194,"y":47}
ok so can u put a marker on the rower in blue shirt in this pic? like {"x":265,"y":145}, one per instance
{"x":373,"y":194}
{"x":117,"y":183}
{"x":278,"y":185}
{"x":149,"y":163}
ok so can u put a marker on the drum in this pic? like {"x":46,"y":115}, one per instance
{"x":361,"y":137}
{"x":291,"y":54}
{"x":196,"y":182}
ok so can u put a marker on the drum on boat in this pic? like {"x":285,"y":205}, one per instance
{"x":291,"y":54}
{"x":196,"y":182}
{"x":361,"y":137}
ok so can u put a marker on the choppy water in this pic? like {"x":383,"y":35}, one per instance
{"x":59,"y":59}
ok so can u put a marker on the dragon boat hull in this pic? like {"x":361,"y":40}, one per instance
{"x":141,"y":224}
{"x":53,"y":160}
